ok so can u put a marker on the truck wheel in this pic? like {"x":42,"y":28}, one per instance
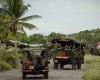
{"x":23,"y":75}
{"x":74,"y":66}
{"x":46,"y":75}
{"x":61,"y":66}
{"x":55,"y":65}
{"x":82,"y":60}
{"x":78,"y":65}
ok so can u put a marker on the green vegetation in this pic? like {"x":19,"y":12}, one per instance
{"x":12,"y":24}
{"x":22,"y":37}
{"x":54,"y":35}
{"x":93,"y":68}
{"x":8,"y":59}
{"x":40,"y":38}
{"x":11,"y":18}
{"x":88,"y":37}
{"x":37,"y":38}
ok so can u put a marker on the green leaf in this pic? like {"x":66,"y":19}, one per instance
{"x":30,"y":17}
{"x":27,"y":25}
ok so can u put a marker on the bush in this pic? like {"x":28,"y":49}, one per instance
{"x":5,"y":66}
{"x":8,"y":59}
{"x":13,"y":59}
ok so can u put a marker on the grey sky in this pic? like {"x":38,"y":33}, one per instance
{"x":64,"y":16}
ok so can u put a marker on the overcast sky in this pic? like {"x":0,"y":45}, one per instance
{"x":64,"y":16}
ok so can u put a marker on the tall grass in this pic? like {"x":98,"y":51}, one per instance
{"x":93,"y":68}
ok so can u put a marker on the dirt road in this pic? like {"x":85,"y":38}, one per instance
{"x":66,"y":74}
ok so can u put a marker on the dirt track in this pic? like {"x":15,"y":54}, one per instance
{"x":66,"y":74}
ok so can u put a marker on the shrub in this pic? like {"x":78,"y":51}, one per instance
{"x":13,"y":59}
{"x":8,"y":58}
{"x":5,"y":66}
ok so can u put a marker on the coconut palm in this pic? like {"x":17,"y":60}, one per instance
{"x":11,"y":16}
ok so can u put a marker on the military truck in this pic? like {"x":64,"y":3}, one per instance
{"x":34,"y":62}
{"x":68,"y":52}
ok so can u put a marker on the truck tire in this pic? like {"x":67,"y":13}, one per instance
{"x":46,"y":75}
{"x":61,"y":66}
{"x":55,"y":65}
{"x":23,"y":75}
{"x":78,"y":65}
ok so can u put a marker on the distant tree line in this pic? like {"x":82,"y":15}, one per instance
{"x":40,"y":38}
{"x":89,"y":37}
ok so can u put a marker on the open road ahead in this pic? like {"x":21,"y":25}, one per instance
{"x":66,"y":74}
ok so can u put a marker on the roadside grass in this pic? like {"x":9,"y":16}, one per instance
{"x":92,"y":68}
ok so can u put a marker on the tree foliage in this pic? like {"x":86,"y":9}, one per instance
{"x":89,"y":37}
{"x":54,"y":35}
{"x":11,"y":17}
{"x":12,"y":24}
{"x":37,"y":38}
{"x":22,"y":37}
{"x":8,"y":59}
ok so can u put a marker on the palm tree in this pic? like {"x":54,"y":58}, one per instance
{"x":11,"y":17}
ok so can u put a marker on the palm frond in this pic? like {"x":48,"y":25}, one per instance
{"x":1,"y":11}
{"x":15,"y":7}
{"x":1,"y":1}
{"x":23,"y":10}
{"x":11,"y":20}
{"x":30,"y":17}
{"x":27,"y":25}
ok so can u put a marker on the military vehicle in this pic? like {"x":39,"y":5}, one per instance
{"x":34,"y":62}
{"x":68,"y":52}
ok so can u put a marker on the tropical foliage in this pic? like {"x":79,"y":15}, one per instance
{"x":22,"y":37}
{"x":8,"y":59}
{"x":11,"y":17}
{"x":54,"y":35}
{"x":89,"y":37}
{"x":37,"y":38}
{"x":12,"y":24}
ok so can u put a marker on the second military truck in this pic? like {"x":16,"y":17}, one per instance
{"x":68,"y":52}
